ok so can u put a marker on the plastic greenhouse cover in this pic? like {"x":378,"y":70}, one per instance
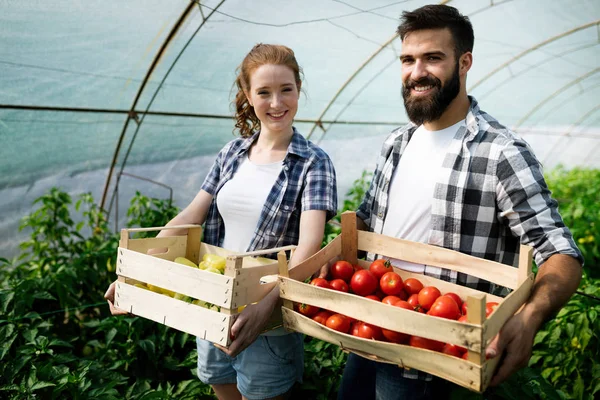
{"x":70,"y":72}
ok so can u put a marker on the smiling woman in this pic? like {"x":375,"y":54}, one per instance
{"x":267,"y":189}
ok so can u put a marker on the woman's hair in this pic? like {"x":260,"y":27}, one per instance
{"x":246,"y":120}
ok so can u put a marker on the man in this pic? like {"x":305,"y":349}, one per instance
{"x":456,"y":178}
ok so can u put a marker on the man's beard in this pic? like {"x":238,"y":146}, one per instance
{"x":430,"y":108}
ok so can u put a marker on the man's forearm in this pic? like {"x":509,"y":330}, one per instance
{"x":555,"y":283}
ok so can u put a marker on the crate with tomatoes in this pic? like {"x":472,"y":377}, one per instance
{"x":378,"y":311}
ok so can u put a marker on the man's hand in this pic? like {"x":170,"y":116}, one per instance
{"x":514,"y":342}
{"x":110,"y":298}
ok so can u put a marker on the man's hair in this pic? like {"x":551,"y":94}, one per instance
{"x":438,"y":16}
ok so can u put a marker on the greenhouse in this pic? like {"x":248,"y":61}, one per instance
{"x":112,"y":114}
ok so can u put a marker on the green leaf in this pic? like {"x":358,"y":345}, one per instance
{"x":5,"y":299}
{"x":41,"y":384}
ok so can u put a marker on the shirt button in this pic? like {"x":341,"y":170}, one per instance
{"x":286,"y":167}
{"x":380,"y":214}
{"x":286,"y":207}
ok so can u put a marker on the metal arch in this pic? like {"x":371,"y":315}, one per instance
{"x":132,"y":114}
{"x":319,"y":122}
{"x":571,"y":128}
{"x":345,"y":84}
{"x":536,"y":65}
{"x":567,"y":100}
{"x":529,"y":50}
{"x":547,"y":99}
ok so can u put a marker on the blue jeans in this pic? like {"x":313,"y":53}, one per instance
{"x":370,"y":380}
{"x":267,"y":368}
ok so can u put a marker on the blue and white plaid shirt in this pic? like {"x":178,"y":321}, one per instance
{"x":307,"y":182}
{"x":491,"y":197}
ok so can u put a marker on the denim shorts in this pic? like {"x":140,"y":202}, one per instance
{"x":267,"y":368}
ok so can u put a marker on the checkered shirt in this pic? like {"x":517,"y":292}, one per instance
{"x":307,"y":182}
{"x":490,"y":198}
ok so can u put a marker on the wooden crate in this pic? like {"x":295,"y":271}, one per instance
{"x":474,"y":373}
{"x":247,"y":279}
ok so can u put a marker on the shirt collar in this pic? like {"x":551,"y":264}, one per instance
{"x":298,"y":145}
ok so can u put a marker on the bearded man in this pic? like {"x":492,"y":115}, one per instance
{"x":456,"y":178}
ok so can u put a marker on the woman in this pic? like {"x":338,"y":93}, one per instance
{"x":269,"y":188}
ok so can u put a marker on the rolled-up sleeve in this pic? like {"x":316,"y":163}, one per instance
{"x":525,"y":202}
{"x":320,"y":189}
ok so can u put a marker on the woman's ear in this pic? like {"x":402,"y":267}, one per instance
{"x":248,"y":98}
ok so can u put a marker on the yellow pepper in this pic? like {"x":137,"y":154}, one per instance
{"x":214,"y":261}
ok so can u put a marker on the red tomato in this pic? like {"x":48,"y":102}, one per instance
{"x":444,"y":307}
{"x":412,"y":286}
{"x":342,"y":270}
{"x":403,"y":304}
{"x":339,"y":285}
{"x":321,"y":316}
{"x":338,"y":322}
{"x":363,"y":283}
{"x":462,"y":318}
{"x":465,"y":356}
{"x":424,"y":343}
{"x":452,"y":350}
{"x":427,"y":296}
{"x":355,"y":327}
{"x":320,"y":282}
{"x":463,"y":308}
{"x":373,"y":297}
{"x":490,"y":307}
{"x":413,"y":300}
{"x":391,"y":284}
{"x":307,"y":309}
{"x":357,"y":268}
{"x":380,"y":294}
{"x":368,"y":331}
{"x":394,"y":337}
{"x":456,"y":298}
{"x":380,"y":267}
{"x":390,"y":300}
{"x":403,"y":295}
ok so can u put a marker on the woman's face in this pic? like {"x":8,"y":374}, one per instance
{"x":274,"y":95}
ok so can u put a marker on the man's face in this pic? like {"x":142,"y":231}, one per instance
{"x":430,"y":74}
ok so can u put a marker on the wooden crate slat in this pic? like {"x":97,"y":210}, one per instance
{"x":506,"y":308}
{"x":177,"y":314}
{"x":174,"y":244}
{"x":309,"y":266}
{"x":437,"y":256}
{"x":213,"y":288}
{"x":383,"y":315}
{"x":448,"y":367}
{"x":248,"y":294}
{"x":444,"y":286}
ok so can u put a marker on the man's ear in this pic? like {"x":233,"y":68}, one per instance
{"x":465,"y":62}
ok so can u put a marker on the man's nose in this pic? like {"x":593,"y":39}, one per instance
{"x":419,"y":71}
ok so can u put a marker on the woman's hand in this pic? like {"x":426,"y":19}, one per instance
{"x":250,"y":323}
{"x":110,"y":297}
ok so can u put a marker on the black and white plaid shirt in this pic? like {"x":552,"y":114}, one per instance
{"x":492,"y":196}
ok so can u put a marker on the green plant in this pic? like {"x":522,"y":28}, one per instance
{"x":57,"y":338}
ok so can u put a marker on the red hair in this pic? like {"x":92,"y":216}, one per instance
{"x":246,"y":120}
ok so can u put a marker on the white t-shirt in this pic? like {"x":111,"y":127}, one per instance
{"x":412,"y":185}
{"x":241,"y":199}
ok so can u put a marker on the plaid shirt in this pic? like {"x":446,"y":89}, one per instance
{"x":492,"y":196}
{"x":307,"y":182}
